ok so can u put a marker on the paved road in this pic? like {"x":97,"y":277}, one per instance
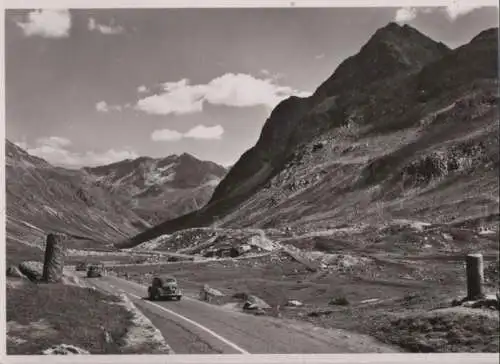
{"x":192,"y":326}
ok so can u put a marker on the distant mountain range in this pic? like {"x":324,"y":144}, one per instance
{"x":406,"y":128}
{"x":161,"y":188}
{"x":102,"y":204}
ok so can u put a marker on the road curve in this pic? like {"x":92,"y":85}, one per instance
{"x":192,"y":326}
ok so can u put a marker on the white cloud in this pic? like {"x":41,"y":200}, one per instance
{"x":104,"y":29}
{"x":166,"y":135}
{"x":178,"y":98}
{"x":455,"y":10}
{"x":49,"y":23}
{"x":54,"y":150}
{"x":142,"y":89}
{"x":242,"y":90}
{"x":91,"y":158}
{"x":198,"y":132}
{"x":54,"y":141}
{"x":237,"y":90}
{"x":460,"y":8}
{"x":102,"y":106}
{"x":319,"y":56}
{"x":55,"y":155}
{"x":404,"y":15}
{"x":204,"y":132}
{"x":272,"y":76}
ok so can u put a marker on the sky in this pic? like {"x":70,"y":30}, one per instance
{"x":91,"y":87}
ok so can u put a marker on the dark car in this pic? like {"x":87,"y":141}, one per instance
{"x":95,"y":271}
{"x":164,"y":287}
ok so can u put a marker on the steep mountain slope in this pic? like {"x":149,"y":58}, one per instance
{"x":41,"y":198}
{"x":391,"y":52}
{"x":159,"y":189}
{"x":403,"y":129}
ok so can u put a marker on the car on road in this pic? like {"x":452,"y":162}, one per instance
{"x":95,"y":270}
{"x":164,"y":287}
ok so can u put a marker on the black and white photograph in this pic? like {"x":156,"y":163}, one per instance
{"x":192,"y":181}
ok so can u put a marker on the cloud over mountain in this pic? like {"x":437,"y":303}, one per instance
{"x":56,"y":150}
{"x":197,"y":132}
{"x":236,"y":90}
{"x":453,"y":11}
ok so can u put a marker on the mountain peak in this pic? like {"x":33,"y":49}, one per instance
{"x":392,"y":27}
{"x":392,"y":50}
{"x":391,"y":32}
{"x":186,"y":155}
{"x":394,"y":32}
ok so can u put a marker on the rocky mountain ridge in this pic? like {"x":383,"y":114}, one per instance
{"x":161,"y":188}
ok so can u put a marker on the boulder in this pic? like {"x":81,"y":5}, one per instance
{"x":32,"y":270}
{"x":339,"y":301}
{"x":242,"y":249}
{"x":64,"y":349}
{"x":488,"y":301}
{"x":294,"y":303}
{"x":207,"y":293}
{"x":255,"y":303}
{"x":14,"y":272}
{"x":211,"y":291}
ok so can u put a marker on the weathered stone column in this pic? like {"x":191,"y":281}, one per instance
{"x":475,"y":276}
{"x":54,"y":258}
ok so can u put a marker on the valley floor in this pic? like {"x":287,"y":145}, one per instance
{"x":364,"y":280}
{"x":390,"y":305}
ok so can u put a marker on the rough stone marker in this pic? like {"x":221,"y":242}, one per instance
{"x":475,"y":276}
{"x":54,"y":258}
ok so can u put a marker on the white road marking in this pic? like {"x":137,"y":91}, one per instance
{"x":225,"y":341}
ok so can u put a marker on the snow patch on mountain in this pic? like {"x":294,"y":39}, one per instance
{"x":158,"y":176}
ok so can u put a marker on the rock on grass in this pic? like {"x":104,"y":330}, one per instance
{"x":32,"y":269}
{"x":14,"y":272}
{"x":253,"y":302}
{"x":64,"y":349}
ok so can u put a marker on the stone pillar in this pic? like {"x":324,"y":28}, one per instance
{"x":54,"y":258}
{"x":475,"y":276}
